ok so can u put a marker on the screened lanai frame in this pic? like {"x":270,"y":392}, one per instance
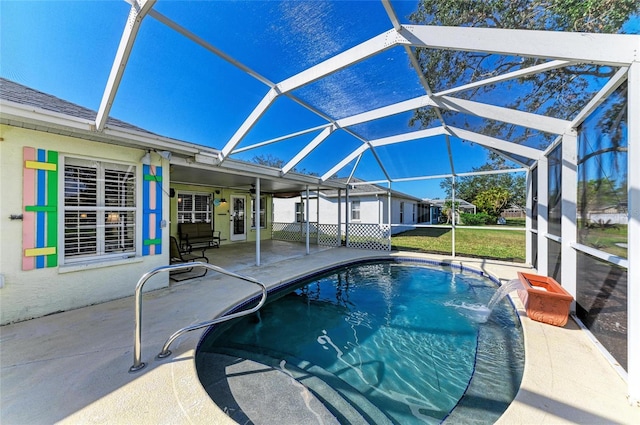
{"x":552,"y":241}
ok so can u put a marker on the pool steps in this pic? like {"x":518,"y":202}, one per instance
{"x":341,"y":399}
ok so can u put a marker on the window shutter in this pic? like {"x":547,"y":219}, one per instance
{"x":151,"y":210}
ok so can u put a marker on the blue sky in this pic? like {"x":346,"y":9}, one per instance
{"x":178,"y":89}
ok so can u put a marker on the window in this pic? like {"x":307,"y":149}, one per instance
{"x":299,"y":212}
{"x":263,"y":221}
{"x":401,"y":212}
{"x":414,"y":207}
{"x":99,"y":209}
{"x":194,"y":207}
{"x":355,"y":210}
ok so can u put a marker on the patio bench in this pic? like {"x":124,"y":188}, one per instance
{"x":197,"y":235}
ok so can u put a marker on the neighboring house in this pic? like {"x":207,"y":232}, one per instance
{"x":514,"y":211}
{"x":436,"y":206}
{"x":612,"y":214}
{"x":84,"y":214}
{"x":367,"y":204}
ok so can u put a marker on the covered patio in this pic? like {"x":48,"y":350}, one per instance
{"x":355,"y":100}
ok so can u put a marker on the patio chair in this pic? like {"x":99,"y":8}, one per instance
{"x":177,"y":256}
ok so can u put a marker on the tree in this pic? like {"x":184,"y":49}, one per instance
{"x":492,"y":201}
{"x":268,"y":160}
{"x":275,"y":162}
{"x":559,"y":93}
{"x":469,"y":187}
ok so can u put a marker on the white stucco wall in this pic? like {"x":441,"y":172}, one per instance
{"x":34,"y":293}
{"x":373,"y":210}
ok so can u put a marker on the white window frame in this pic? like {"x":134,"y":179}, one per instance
{"x":299,"y":212}
{"x":113,"y":220}
{"x":194,"y":212}
{"x":263,"y":212}
{"x":355,"y":210}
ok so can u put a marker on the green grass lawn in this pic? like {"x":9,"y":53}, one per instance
{"x":611,"y":239}
{"x":507,"y":245}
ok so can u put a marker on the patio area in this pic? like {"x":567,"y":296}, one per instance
{"x":72,"y":367}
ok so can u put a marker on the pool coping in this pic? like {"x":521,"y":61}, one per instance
{"x":72,"y":367}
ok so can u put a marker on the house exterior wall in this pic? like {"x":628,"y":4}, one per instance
{"x":221,"y":216}
{"x":373,"y":210}
{"x":26,"y":294}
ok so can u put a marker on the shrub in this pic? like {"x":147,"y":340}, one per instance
{"x":474,"y":219}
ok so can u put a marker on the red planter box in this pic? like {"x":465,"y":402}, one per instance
{"x":544,"y":299}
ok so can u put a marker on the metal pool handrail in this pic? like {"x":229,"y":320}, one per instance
{"x":138,"y":364}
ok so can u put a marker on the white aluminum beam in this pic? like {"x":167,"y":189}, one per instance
{"x":385,"y":111}
{"x":512,"y":116}
{"x":453,"y":169}
{"x":406,"y":137}
{"x":251,"y":120}
{"x":543,"y":216}
{"x":498,"y":144}
{"x":498,"y":113}
{"x":633,"y":237}
{"x":509,"y":157}
{"x":347,"y":159}
{"x":528,"y":220}
{"x":308,"y":149}
{"x":525,"y":72}
{"x":342,"y":60}
{"x":139,"y":9}
{"x":611,"y":86}
{"x":489,"y":172}
{"x":281,"y":138}
{"x":392,"y":14}
{"x":603,"y":49}
{"x":569,"y":220}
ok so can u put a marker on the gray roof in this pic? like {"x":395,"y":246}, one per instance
{"x":15,"y":92}
{"x":440,"y":202}
{"x":366,"y":189}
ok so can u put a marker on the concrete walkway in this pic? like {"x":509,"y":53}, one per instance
{"x":72,"y":367}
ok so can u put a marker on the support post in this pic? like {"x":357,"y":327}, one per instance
{"x":318,"y":215}
{"x":346,"y":216}
{"x":569,"y":211}
{"x":339,"y":241}
{"x":543,"y":215}
{"x":307,"y":219}
{"x":528,"y":220}
{"x":633,"y":236}
{"x":389,"y":213}
{"x":453,"y":216}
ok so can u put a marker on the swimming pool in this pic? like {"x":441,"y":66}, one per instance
{"x":402,"y":342}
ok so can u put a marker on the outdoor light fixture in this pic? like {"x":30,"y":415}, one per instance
{"x":165,"y":154}
{"x":223,"y":200}
{"x":146,"y":158}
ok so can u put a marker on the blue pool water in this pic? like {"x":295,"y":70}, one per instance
{"x":414,"y":340}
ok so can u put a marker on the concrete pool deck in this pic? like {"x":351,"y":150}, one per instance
{"x":72,"y":367}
